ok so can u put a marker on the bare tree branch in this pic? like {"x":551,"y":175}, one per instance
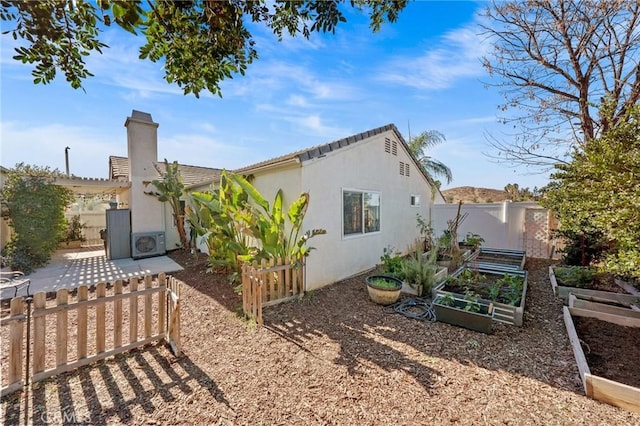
{"x":556,"y":63}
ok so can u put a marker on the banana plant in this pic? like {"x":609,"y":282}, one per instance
{"x":269,"y":224}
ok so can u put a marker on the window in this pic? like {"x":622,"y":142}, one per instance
{"x":415,"y":200}
{"x":401,"y":168}
{"x":361,"y":212}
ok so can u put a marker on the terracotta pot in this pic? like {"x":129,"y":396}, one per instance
{"x":383,"y":295}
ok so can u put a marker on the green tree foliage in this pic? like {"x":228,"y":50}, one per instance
{"x":170,"y":189}
{"x":599,"y":192}
{"x":35,"y":208}
{"x":199,"y":42}
{"x":419,"y":147}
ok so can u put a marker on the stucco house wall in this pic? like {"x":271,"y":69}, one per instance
{"x":368,"y":165}
{"x":363,"y":167}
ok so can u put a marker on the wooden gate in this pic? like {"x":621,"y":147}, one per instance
{"x":270,"y":283}
{"x":155,"y":325}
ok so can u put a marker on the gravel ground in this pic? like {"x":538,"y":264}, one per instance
{"x":331,"y":358}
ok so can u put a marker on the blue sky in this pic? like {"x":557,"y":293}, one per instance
{"x":422,"y":72}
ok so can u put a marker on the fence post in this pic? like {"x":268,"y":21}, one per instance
{"x":162,"y":303}
{"x":100,"y":318}
{"x":174,"y":316}
{"x":62,"y":298}
{"x":83,"y":293}
{"x":133,"y":310}
{"x":148,"y":306}
{"x":117,"y":315}
{"x":16,"y":331}
{"x":39,"y":328}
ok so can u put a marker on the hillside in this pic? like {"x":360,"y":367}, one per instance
{"x":470,"y":194}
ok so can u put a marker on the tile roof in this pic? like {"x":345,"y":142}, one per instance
{"x":320,"y":150}
{"x":192,"y":175}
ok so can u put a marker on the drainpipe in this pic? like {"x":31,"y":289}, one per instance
{"x":66,"y":159}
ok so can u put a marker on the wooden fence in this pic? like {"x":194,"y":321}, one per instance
{"x":269,"y":283}
{"x":156,"y":324}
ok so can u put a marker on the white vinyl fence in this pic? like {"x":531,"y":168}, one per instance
{"x":507,"y":225}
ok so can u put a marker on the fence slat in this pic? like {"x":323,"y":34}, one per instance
{"x":162,"y":303}
{"x":39,"y":328}
{"x":61,"y":307}
{"x":133,"y":310}
{"x":83,"y":294}
{"x":117,"y":315}
{"x":62,"y":297}
{"x":174,"y":316}
{"x":100,"y":318}
{"x":16,"y":332}
{"x":282,"y":287}
{"x":148,"y":307}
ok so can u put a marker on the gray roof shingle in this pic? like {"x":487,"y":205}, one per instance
{"x":192,"y":175}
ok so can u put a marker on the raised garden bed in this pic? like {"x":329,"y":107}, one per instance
{"x":506,"y":290}
{"x":444,"y":259}
{"x":475,"y":315}
{"x":600,"y":289}
{"x":499,"y":259}
{"x":440,"y":276}
{"x":610,"y":341}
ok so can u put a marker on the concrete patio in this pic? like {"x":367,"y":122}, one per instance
{"x":88,"y":265}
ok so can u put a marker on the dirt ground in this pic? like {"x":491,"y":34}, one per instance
{"x":332,"y":358}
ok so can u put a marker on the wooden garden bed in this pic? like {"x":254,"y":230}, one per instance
{"x":503,"y":312}
{"x":595,"y":385}
{"x":563,"y":292}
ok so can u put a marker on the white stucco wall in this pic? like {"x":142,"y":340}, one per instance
{"x":142,"y":152}
{"x":361,"y":166}
{"x":287,"y":178}
{"x":500,"y":224}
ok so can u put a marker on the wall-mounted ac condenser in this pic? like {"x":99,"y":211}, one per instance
{"x":147,"y":244}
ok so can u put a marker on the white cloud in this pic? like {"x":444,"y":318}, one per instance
{"x":45,"y":145}
{"x":457,"y":56}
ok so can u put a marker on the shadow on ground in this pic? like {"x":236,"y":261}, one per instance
{"x":141,"y":380}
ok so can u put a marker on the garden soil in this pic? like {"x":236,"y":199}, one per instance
{"x":331,"y":358}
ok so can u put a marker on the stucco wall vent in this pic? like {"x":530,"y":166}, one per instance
{"x":390,"y":147}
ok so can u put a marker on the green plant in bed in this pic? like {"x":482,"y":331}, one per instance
{"x":575,"y":276}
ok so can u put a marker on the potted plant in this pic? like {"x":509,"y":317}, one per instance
{"x":468,"y":311}
{"x":73,"y":237}
{"x":383,"y":289}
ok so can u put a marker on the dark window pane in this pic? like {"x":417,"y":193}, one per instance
{"x":352,"y":202}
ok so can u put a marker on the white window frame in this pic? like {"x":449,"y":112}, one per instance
{"x":416,"y":198}
{"x":363,"y":233}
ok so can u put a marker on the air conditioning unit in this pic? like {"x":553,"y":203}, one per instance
{"x":147,"y":244}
